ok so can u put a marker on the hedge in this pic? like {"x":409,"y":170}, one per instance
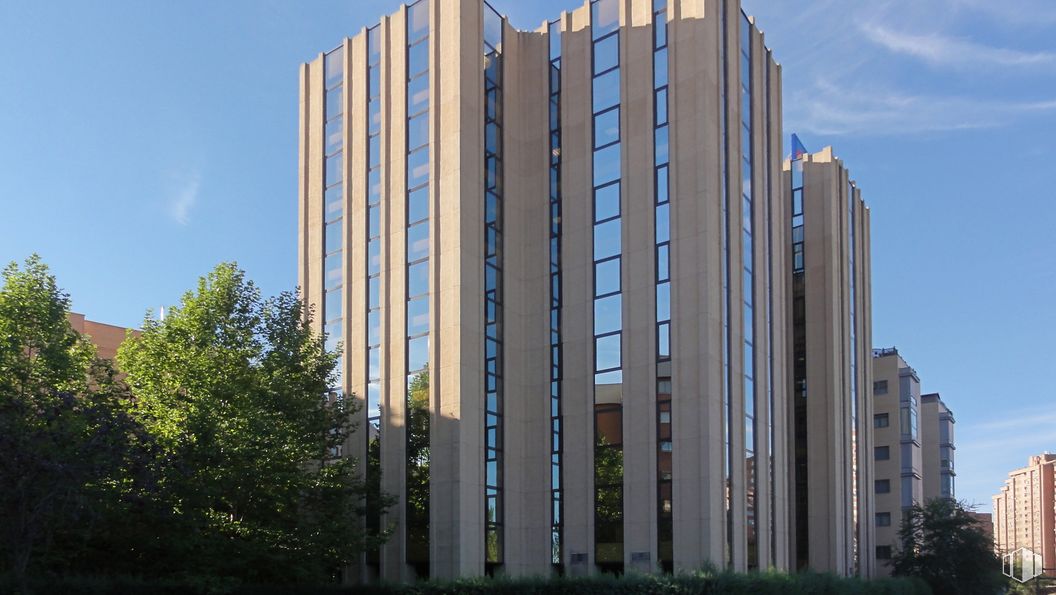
{"x":702,"y":583}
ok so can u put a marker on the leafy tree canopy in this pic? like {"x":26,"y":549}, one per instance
{"x":944,"y":546}
{"x":236,"y":388}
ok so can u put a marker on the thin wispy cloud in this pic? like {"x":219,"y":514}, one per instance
{"x":832,"y":108}
{"x":1038,"y":13}
{"x":184,"y":197}
{"x":940,"y":50}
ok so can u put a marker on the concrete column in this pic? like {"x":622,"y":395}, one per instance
{"x":639,"y":287}
{"x":393,"y":290}
{"x":577,"y":298}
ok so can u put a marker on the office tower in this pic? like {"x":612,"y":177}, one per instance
{"x":898,"y":465}
{"x":556,"y":262}
{"x":831,"y":334}
{"x":937,"y":448}
{"x":1024,"y":510}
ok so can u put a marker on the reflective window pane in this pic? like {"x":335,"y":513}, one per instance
{"x":333,"y":236}
{"x":374,"y":327}
{"x":374,"y":121}
{"x":417,"y":353}
{"x":418,"y":279}
{"x":417,"y":242}
{"x":606,"y":90}
{"x":607,"y":277}
{"x":418,"y":316}
{"x":334,"y":169}
{"x":663,"y":340}
{"x":334,"y":103}
{"x":418,"y":168}
{"x":606,"y":239}
{"x":607,"y":165}
{"x":660,"y":68}
{"x":605,"y":17}
{"x":606,"y":54}
{"x":374,"y":151}
{"x":607,"y":202}
{"x":663,"y":301}
{"x":417,"y":20}
{"x":374,"y":221}
{"x":374,"y":256}
{"x":332,"y":304}
{"x":374,"y":363}
{"x":608,"y":314}
{"x":607,"y":352}
{"x":334,"y":67}
{"x":663,"y":263}
{"x":335,"y":205}
{"x":418,"y":205}
{"x":417,"y":58}
{"x":418,"y":95}
{"x":374,"y":293}
{"x":334,"y":131}
{"x":661,"y":106}
{"x":663,"y":223}
{"x":333,"y":270}
{"x":417,"y":131}
{"x":661,"y":145}
{"x":607,"y":127}
{"x":661,"y":185}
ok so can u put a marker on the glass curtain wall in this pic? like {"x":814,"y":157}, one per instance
{"x":662,"y":208}
{"x":493,"y":298}
{"x":373,"y":326}
{"x":334,"y":207}
{"x":417,"y":286}
{"x":727,"y":411}
{"x":556,"y":360}
{"x":799,"y":369}
{"x":608,"y":299}
{"x":748,"y":292}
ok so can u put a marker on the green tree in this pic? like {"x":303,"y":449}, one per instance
{"x":944,"y":546}
{"x":69,"y":454}
{"x":236,"y":389}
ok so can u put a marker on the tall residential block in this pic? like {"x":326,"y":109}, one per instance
{"x":937,"y":448}
{"x":1025,"y":510}
{"x":830,"y":406}
{"x":557,"y":263}
{"x":898,"y":460}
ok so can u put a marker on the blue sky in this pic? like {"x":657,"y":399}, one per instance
{"x":141,"y":143}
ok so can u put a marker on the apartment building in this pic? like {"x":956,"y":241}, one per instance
{"x":830,"y":405}
{"x":937,"y":448}
{"x":897,"y":455}
{"x":1025,"y":510}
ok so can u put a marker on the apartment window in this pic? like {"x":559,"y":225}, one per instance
{"x":883,"y":552}
{"x":883,"y":453}
{"x":883,"y":486}
{"x":881,"y":420}
{"x":883,"y":519}
{"x":880,"y":387}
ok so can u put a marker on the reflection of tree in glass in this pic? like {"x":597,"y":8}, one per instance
{"x":608,"y":501}
{"x":418,"y":468}
{"x":374,"y":497}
